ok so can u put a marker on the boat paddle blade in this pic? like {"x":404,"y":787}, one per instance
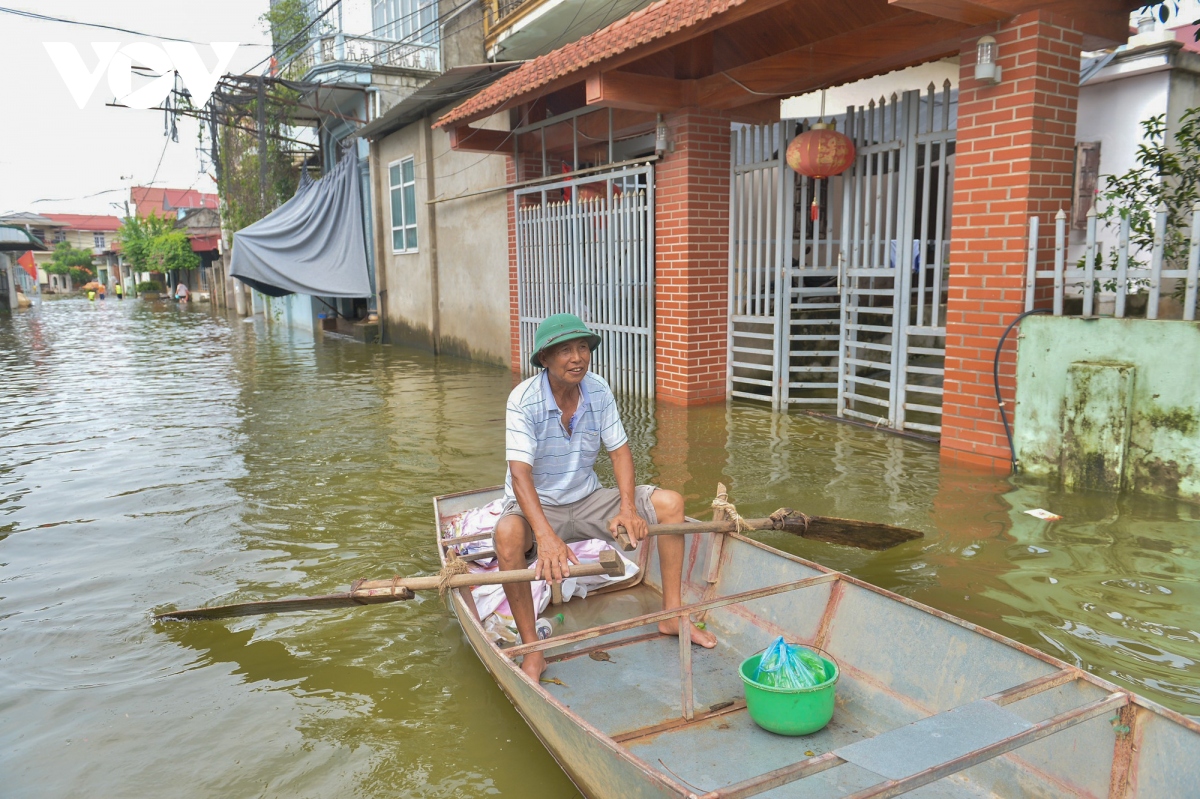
{"x":346,"y":600}
{"x":847,"y":532}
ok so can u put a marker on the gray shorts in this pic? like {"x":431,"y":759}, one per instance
{"x":588,"y":518}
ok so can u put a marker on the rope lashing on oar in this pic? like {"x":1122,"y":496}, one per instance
{"x":781,"y":516}
{"x":396,"y":589}
{"x":731,"y":513}
{"x":454,"y":567}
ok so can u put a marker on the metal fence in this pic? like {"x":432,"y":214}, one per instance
{"x":593,"y":256}
{"x":1122,"y":273}
{"x":838,"y":287}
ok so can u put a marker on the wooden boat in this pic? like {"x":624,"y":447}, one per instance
{"x":926,"y":701}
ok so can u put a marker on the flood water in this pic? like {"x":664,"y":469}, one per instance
{"x":153,"y":457}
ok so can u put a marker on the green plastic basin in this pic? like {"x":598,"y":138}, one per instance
{"x":789,"y":711}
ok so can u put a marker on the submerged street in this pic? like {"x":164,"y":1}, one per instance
{"x":155,"y":456}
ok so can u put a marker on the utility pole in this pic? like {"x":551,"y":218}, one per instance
{"x":262,"y":143}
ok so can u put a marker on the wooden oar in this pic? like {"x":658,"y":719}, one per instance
{"x":374,"y":592}
{"x":830,"y":529}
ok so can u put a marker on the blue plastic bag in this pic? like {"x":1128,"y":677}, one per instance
{"x":786,"y":665}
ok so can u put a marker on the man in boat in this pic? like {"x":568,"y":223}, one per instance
{"x":556,"y":422}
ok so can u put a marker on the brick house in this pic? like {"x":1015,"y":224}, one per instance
{"x":680,"y":75}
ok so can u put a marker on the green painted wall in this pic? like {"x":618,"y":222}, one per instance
{"x":1110,"y":400}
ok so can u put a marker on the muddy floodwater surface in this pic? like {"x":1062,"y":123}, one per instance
{"x":155,"y":456}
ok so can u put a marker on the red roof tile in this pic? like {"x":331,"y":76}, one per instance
{"x":99,"y":224}
{"x":653,"y":22}
{"x":165,"y":201}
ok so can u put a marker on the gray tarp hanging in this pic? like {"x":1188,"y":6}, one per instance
{"x":312,"y":244}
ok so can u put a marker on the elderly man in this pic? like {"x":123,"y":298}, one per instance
{"x":556,"y":422}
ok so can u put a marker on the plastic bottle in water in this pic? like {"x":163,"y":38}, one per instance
{"x":545,"y":627}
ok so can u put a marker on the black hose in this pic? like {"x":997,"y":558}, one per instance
{"x":1012,"y":451}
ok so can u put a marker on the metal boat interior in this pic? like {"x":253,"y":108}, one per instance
{"x":926,"y":702}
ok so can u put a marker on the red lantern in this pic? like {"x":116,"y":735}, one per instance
{"x":819,"y":153}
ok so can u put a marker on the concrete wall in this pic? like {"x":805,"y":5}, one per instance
{"x":1110,"y":400}
{"x":472,"y":246}
{"x":452,"y":294}
{"x":294,"y":310}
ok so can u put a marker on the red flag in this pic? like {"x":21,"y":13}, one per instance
{"x":27,"y":263}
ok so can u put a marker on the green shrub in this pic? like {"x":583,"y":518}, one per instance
{"x":149,"y":285}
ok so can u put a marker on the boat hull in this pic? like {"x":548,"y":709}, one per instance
{"x":615,"y":726}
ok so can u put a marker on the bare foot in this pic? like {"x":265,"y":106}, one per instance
{"x":534,"y":664}
{"x":702,"y":637}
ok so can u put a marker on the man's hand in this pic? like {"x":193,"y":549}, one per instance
{"x":635,"y":526}
{"x":554,"y":558}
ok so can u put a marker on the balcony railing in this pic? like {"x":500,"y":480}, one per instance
{"x":499,"y":15}
{"x":343,"y":48}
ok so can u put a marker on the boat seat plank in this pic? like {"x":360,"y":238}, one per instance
{"x":937,"y":739}
{"x":719,"y":753}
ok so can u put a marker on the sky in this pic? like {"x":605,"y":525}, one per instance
{"x":50,"y":149}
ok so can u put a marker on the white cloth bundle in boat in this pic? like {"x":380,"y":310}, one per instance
{"x":489,"y":599}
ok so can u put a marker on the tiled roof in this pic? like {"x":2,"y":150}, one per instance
{"x":655,"y":21}
{"x":169,"y":199}
{"x":99,"y":224}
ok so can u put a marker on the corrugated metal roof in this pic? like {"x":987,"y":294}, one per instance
{"x":453,"y":84}
{"x":15,"y":239}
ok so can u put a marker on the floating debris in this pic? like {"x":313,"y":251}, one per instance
{"x":1044,"y":515}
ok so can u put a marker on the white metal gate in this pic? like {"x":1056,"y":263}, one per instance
{"x":851,"y":316}
{"x":586,"y":246}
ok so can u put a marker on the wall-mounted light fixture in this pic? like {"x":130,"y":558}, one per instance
{"x":661,"y":145}
{"x":986,"y":53}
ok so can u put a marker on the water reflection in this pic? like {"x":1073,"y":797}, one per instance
{"x":155,"y":455}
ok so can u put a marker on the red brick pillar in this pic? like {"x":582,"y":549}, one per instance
{"x":514,"y":317}
{"x":528,"y":169}
{"x":691,"y":219}
{"x":1014,"y":159}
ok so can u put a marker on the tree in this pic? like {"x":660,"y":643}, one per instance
{"x":73,"y":261}
{"x":137,"y":236}
{"x":172,"y":252}
{"x":1166,"y":175}
{"x":241,"y":186}
{"x":153,"y":245}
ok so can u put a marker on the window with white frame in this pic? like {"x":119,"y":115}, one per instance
{"x":60,"y":236}
{"x":402,"y":185}
{"x":411,"y":21}
{"x":98,"y":241}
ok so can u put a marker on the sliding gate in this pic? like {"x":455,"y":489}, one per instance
{"x":586,"y":246}
{"x":838,"y":287}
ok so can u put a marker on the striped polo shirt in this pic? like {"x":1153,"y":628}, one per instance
{"x":562,"y":465}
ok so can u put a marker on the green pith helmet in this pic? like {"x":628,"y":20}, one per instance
{"x":557,"y":329}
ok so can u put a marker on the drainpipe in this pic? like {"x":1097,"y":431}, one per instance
{"x":382,"y":235}
{"x":435,"y":291}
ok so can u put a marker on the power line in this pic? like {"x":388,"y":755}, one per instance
{"x":20,"y":12}
{"x":160,"y":159}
